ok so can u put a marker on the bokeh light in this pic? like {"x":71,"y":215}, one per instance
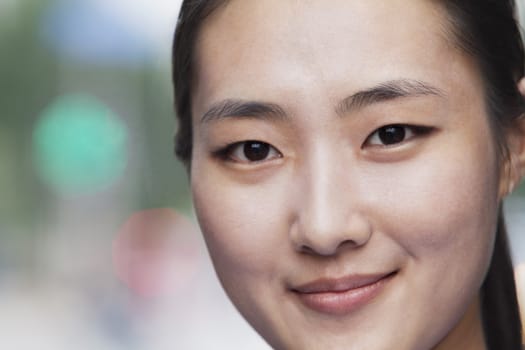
{"x":79,"y":145}
{"x":154,"y":20}
{"x":111,"y":32}
{"x":156,"y":252}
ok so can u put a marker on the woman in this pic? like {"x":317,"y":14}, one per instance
{"x":348,"y":162}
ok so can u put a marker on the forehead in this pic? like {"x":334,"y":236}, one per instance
{"x":245,"y":47}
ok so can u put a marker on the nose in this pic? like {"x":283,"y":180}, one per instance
{"x":328,"y":215}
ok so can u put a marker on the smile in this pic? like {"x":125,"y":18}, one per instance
{"x":341,"y":296}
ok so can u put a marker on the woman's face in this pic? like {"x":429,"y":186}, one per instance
{"x":344,"y":173}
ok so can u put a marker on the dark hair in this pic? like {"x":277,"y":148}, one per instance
{"x":489,"y":32}
{"x":192,"y":15}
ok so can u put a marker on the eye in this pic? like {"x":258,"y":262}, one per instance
{"x":250,"y":152}
{"x":395,"y":133}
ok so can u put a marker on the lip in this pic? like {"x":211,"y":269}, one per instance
{"x":341,"y":296}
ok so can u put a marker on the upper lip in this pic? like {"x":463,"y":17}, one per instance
{"x":334,"y":285}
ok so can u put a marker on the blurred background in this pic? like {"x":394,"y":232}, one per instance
{"x":98,"y":243}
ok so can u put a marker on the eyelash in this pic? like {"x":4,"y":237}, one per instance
{"x":227,"y":153}
{"x":413,"y":131}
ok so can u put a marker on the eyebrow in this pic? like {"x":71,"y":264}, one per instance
{"x":390,"y":90}
{"x":238,"y":108}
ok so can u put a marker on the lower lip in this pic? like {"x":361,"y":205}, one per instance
{"x":344,"y":302}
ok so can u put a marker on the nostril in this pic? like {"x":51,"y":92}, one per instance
{"x":348,"y":243}
{"x":327,"y":251}
{"x":307,"y":250}
{"x":329,"y":228}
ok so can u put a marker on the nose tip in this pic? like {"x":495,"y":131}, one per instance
{"x":328,"y":235}
{"x":329,"y":207}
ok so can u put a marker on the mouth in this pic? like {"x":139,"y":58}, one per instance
{"x":341,"y":296}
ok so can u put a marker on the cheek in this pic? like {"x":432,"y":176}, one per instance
{"x":442,"y":208}
{"x":244,"y":227}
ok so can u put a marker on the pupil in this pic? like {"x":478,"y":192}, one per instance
{"x":255,"y":151}
{"x":392,"y":134}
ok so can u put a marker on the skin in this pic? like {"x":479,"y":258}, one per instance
{"x":330,"y":200}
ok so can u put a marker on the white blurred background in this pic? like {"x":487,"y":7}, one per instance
{"x":98,"y":244}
